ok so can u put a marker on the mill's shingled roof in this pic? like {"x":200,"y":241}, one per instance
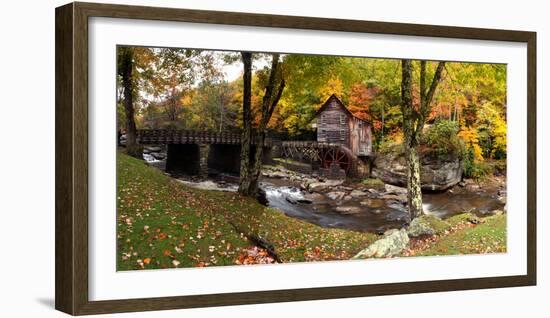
{"x":338,"y":102}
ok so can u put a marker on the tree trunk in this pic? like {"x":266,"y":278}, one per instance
{"x":257,"y":165}
{"x":414,"y":189}
{"x":244,"y":182}
{"x":410,"y":122}
{"x":269,"y":103}
{"x":413,"y":123}
{"x":132,"y":147}
{"x":383,"y":121}
{"x":250,"y":174}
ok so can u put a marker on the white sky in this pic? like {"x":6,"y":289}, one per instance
{"x":234,"y":70}
{"x":231,"y":72}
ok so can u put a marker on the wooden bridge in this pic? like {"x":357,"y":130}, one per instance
{"x":343,"y":145}
{"x":173,"y":136}
{"x":202,"y":152}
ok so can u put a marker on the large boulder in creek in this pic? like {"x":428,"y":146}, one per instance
{"x":357,"y":193}
{"x":152,"y":149}
{"x":275,"y":174}
{"x":323,"y":186}
{"x":315,"y":197}
{"x":348,"y":209}
{"x":393,"y":242}
{"x":436,"y":174}
{"x":158,"y":155}
{"x":336,"y":195}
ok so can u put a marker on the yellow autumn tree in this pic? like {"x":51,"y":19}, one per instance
{"x":333,"y":86}
{"x":499,"y":131}
{"x":471,"y":139}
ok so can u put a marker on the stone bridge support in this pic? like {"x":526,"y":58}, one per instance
{"x":202,"y":159}
{"x":183,"y":159}
{"x":225,"y":158}
{"x":189,"y":159}
{"x":204,"y":152}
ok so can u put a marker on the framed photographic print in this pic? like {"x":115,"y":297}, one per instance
{"x":219,"y":158}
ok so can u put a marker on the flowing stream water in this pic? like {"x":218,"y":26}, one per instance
{"x":372,"y":214}
{"x":366,"y":213}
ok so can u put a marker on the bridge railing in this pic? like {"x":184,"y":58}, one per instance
{"x":173,"y":136}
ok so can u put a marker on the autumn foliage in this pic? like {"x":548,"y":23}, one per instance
{"x":191,"y":89}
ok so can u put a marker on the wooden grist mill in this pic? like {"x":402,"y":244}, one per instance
{"x":344,"y":142}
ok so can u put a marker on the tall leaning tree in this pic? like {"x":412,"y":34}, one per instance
{"x":272,"y":95}
{"x":244,"y":182}
{"x":250,"y":171}
{"x":125,"y":70}
{"x":414,"y":118}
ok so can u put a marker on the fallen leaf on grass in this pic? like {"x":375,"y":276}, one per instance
{"x":167,"y":253}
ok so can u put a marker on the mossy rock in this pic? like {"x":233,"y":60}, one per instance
{"x":373,"y":183}
{"x":392,"y":244}
{"x":426,"y":225}
{"x":436,"y":223}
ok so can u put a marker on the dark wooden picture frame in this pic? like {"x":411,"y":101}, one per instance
{"x":71,"y":90}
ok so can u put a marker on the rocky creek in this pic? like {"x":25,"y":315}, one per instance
{"x":355,"y":206}
{"x":358,"y":207}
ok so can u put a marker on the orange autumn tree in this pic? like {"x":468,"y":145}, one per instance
{"x":360,"y":99}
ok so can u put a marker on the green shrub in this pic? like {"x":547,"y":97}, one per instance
{"x":474,"y":168}
{"x":468,"y":163}
{"x":482,"y":169}
{"x":442,"y":139}
{"x":499,"y":166}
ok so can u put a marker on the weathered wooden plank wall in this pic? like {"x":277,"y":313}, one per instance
{"x":361,"y":137}
{"x":336,"y":124}
{"x":332,"y":124}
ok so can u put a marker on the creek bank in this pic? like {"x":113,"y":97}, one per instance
{"x":462,"y":234}
{"x":367,"y":206}
{"x":376,"y":216}
{"x":428,"y":235}
{"x":187,"y":227}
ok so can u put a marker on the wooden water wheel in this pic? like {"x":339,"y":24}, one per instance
{"x":337,"y":155}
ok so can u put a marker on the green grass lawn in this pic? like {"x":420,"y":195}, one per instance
{"x":164,"y":224}
{"x":461,"y":234}
{"x":486,"y":237}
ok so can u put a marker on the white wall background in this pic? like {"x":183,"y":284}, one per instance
{"x":27,"y":171}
